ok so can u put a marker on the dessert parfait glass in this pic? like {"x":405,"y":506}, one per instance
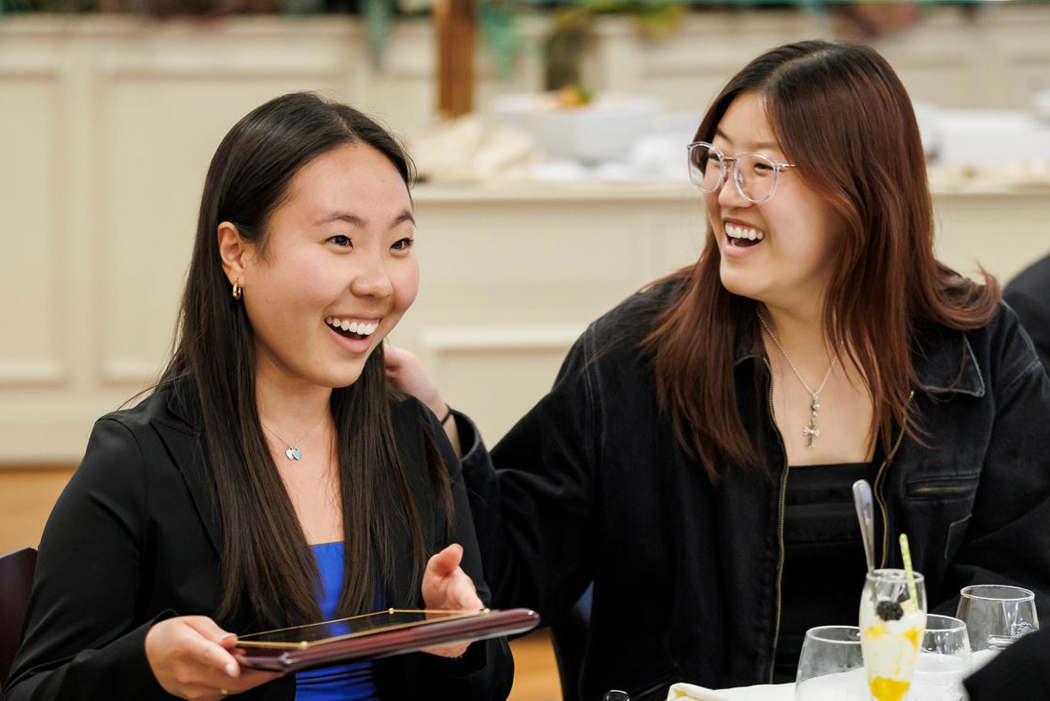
{"x":892,"y":622}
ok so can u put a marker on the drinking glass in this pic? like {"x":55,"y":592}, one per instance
{"x":995,"y":616}
{"x":892,"y":620}
{"x":831,"y":667}
{"x":944,"y":660}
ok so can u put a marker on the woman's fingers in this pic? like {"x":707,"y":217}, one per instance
{"x":451,"y":651}
{"x":191,"y":658}
{"x":212,"y":648}
{"x":393,"y":357}
{"x":246,"y":679}
{"x":446,"y":585}
{"x":206,"y":627}
{"x":436,"y":578}
{"x":463,"y":594}
{"x":446,"y":561}
{"x":405,"y":371}
{"x":217,"y":658}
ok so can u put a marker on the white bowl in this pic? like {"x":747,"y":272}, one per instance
{"x":602,"y":131}
{"x":1041,"y":103}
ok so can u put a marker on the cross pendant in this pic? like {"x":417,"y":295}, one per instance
{"x":811,"y":431}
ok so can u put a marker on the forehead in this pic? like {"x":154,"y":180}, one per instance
{"x":745,"y":125}
{"x":354,"y":176}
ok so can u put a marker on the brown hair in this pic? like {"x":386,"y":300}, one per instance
{"x":842,"y":116}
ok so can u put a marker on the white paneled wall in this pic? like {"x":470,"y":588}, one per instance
{"x":107,"y":126}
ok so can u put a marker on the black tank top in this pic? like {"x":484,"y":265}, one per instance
{"x":824,"y":563}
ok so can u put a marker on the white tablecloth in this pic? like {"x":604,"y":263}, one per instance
{"x":760,"y":692}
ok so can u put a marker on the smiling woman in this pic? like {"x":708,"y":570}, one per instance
{"x":323,"y":276}
{"x":207,"y":517}
{"x":695,"y":456}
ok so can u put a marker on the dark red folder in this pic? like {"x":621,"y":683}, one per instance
{"x":375,"y":635}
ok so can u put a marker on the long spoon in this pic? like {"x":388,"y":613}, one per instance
{"x":862,"y":500}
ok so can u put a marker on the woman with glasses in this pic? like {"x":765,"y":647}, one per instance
{"x":695,"y":457}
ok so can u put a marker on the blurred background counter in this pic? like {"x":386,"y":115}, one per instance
{"x":107,"y":123}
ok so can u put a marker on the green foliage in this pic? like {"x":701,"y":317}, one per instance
{"x":570,"y":35}
{"x":379,"y":20}
{"x":571,"y":32}
{"x":12,"y":6}
{"x":301,"y":7}
{"x":498,"y":26}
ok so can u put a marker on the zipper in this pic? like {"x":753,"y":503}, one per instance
{"x":942,"y":489}
{"x":878,"y":493}
{"x":780,"y":525}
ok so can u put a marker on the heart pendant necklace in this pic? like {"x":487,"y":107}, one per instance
{"x":293,"y":451}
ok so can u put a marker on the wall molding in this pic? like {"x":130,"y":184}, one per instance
{"x":32,"y":373}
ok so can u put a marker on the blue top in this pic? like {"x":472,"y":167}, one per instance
{"x":352,"y":682}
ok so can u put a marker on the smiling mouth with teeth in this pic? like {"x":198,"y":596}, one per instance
{"x":352,"y":329}
{"x":743,"y":236}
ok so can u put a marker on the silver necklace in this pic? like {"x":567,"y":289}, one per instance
{"x":294,"y":452}
{"x":811,"y":432}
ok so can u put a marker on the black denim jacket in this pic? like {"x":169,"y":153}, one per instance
{"x":591,"y":485}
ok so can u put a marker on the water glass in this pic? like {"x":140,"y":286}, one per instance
{"x":995,"y":616}
{"x":944,"y":660}
{"x":831,"y":666}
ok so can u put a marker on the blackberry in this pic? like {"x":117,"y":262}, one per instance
{"x":889,"y":610}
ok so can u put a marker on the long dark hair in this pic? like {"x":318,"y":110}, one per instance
{"x":844,"y":119}
{"x":265,"y":557}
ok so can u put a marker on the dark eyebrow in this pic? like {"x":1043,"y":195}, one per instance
{"x":357,"y":221}
{"x":341,"y":216}
{"x":765,"y":145}
{"x":719,"y":132}
{"x":402,"y":218}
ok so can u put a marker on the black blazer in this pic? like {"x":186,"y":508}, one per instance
{"x":136,"y":538}
{"x":1021,"y":672}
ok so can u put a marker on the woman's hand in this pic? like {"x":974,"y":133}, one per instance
{"x":191,"y":657}
{"x":406,"y":372}
{"x":447,"y":586}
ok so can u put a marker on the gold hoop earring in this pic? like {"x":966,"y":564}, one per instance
{"x":238,"y":291}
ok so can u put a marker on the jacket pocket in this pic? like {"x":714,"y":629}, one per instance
{"x":944,"y":488}
{"x":956,"y":532}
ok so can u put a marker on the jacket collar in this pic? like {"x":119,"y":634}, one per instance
{"x":943,"y":358}
{"x":180,"y":429}
{"x":946,"y":362}
{"x":183,"y":403}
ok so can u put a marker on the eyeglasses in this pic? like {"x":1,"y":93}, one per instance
{"x":754,"y":175}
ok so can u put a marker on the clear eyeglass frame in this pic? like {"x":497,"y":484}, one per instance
{"x":697,"y":178}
